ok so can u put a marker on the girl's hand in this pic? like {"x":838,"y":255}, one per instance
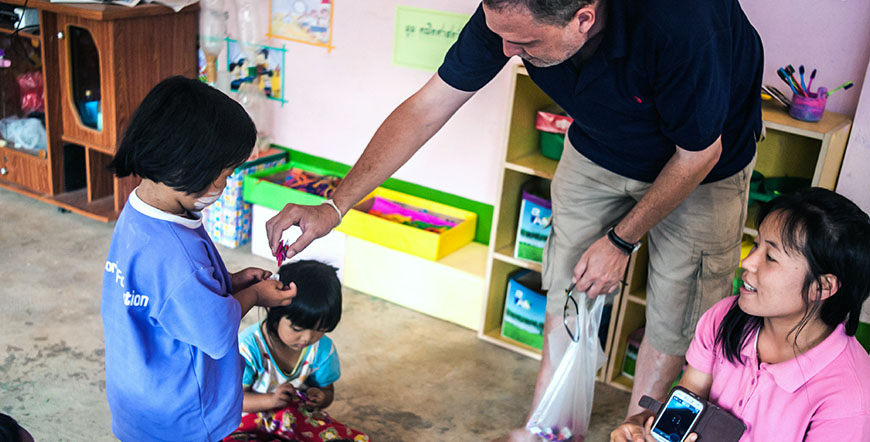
{"x":283,"y":396}
{"x":271,"y":293}
{"x":316,"y":396}
{"x":248,"y":277}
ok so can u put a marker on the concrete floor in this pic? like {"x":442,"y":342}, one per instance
{"x":406,"y":376}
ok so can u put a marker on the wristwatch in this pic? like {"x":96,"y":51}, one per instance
{"x":621,"y":244}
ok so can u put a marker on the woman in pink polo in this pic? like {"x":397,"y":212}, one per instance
{"x":782,"y":355}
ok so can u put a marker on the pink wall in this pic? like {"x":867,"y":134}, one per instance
{"x":830,"y":35}
{"x":854,"y":179}
{"x":338,"y":99}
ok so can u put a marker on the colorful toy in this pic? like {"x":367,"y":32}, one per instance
{"x":411,"y":216}
{"x":308,"y":182}
{"x":557,"y":434}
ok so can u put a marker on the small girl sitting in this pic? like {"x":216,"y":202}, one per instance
{"x":290,"y":366}
{"x":782,"y":355}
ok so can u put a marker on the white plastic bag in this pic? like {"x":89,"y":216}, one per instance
{"x":563,"y":413}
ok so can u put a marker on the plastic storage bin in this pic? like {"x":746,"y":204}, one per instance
{"x":228,"y":220}
{"x":525,"y":309}
{"x":533,"y":226}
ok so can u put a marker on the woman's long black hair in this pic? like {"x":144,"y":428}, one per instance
{"x":833,"y":234}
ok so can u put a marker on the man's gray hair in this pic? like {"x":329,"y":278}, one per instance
{"x":549,"y":12}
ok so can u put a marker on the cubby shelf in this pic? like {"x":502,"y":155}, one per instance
{"x":791,"y":148}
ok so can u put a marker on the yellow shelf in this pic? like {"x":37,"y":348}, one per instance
{"x":638,"y":297}
{"x":533,"y":164}
{"x":506,"y":254}
{"x":494,"y":337}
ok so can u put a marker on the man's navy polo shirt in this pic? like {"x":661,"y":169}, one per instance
{"x":668,"y":73}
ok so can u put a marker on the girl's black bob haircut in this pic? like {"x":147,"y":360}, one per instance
{"x":317,"y":305}
{"x":184,"y":134}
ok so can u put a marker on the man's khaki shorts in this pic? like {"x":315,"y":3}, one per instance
{"x":694,"y":251}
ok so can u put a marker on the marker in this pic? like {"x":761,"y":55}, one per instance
{"x":843,"y":86}
{"x":784,"y":77}
{"x":789,"y":70}
{"x":801,"y":71}
{"x":810,"y":84}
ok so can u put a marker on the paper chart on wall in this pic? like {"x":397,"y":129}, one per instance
{"x":423,"y":36}
{"x":305,"y":21}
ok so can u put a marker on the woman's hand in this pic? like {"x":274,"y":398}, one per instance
{"x":630,"y":431}
{"x":247,"y":277}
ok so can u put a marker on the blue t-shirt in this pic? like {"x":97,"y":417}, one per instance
{"x":667,"y":73}
{"x":171,"y":325}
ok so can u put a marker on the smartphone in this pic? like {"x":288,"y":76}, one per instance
{"x":679,"y":416}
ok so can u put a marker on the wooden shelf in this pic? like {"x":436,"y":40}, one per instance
{"x":494,"y":336}
{"x":102,"y":209}
{"x":777,"y":118}
{"x":506,"y":254}
{"x":23,"y":34}
{"x":533,"y":164}
{"x":638,"y":297}
{"x":98,"y":11}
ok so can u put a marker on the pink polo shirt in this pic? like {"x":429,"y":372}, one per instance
{"x":821,"y":395}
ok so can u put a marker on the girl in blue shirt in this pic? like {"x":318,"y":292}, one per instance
{"x":170,"y":309}
{"x":290,"y":366}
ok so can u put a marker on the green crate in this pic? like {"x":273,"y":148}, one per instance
{"x":552,"y":144}
{"x":258,"y":190}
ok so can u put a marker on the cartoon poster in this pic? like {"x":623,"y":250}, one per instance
{"x":265,"y":71}
{"x":306,"y":21}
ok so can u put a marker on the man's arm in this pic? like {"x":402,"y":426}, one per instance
{"x":601,"y":266}
{"x":407,"y":128}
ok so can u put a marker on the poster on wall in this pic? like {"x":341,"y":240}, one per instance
{"x":423,"y":36}
{"x":266,"y":70}
{"x":305,"y":21}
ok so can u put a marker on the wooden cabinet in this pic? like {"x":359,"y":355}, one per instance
{"x":98,"y":63}
{"x":791,"y":148}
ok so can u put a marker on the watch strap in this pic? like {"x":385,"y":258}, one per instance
{"x":623,"y":245}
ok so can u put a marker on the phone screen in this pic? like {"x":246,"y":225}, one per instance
{"x":680,"y":413}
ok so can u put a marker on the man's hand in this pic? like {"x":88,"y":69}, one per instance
{"x":600,"y":268}
{"x":247,"y":277}
{"x":283,"y":395}
{"x":315,"y":222}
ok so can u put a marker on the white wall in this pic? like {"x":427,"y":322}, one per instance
{"x":830,"y":35}
{"x":338,"y":99}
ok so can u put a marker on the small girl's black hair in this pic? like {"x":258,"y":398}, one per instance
{"x":10,"y":431}
{"x":317,"y":305}
{"x":184,"y":134}
{"x":833,"y":234}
